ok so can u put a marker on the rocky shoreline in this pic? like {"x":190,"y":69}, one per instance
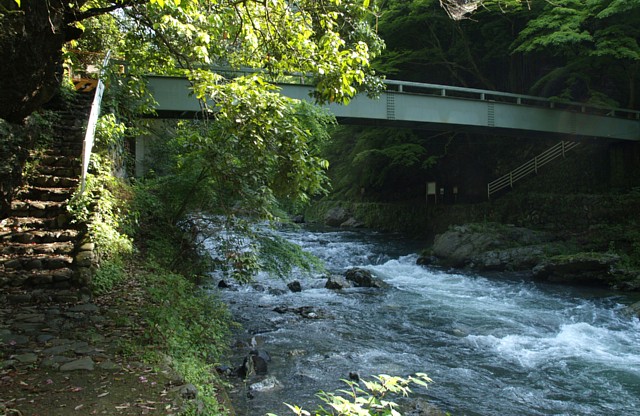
{"x":540,"y":255}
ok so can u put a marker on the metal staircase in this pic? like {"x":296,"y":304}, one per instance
{"x":530,"y":167}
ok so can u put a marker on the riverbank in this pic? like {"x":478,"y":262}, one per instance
{"x":149,"y":346}
{"x":599,"y":231}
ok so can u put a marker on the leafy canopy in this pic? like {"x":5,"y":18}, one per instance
{"x":598,"y":40}
{"x":251,"y":148}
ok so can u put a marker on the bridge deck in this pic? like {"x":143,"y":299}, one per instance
{"x":439,"y":107}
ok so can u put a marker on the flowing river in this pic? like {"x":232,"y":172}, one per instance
{"x":498,"y":345}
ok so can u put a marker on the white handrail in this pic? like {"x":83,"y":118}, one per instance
{"x":529,"y":167}
{"x":87,"y":144}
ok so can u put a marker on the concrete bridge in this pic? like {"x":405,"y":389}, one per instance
{"x":443,"y":108}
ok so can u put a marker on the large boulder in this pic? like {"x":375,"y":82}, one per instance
{"x":336,"y":216}
{"x":457,"y":246}
{"x":364,"y":278}
{"x":633,"y":310}
{"x":515,"y":258}
{"x":627,"y":279}
{"x":337,"y":282}
{"x":489,"y":247}
{"x":580,"y":268}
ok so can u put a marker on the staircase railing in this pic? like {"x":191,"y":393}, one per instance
{"x":89,"y":137}
{"x":529,"y":167}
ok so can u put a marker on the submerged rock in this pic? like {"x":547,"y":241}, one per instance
{"x":307,"y":312}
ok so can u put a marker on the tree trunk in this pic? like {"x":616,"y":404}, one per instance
{"x":31,"y":39}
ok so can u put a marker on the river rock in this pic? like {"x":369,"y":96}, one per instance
{"x":626,"y":279}
{"x":492,"y":246}
{"x":633,"y":310}
{"x":364,"y":278}
{"x":579,"y":268}
{"x":269,"y":383}
{"x":516,"y":258}
{"x":256,"y":363}
{"x":419,"y":407}
{"x":426,"y":260}
{"x":352,"y":223}
{"x":294,"y":286}
{"x":307,"y":312}
{"x":336,"y":216}
{"x":337,"y":282}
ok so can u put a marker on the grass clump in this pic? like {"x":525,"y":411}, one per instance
{"x":185,"y":331}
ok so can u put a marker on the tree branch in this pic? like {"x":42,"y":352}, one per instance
{"x":76,"y":16}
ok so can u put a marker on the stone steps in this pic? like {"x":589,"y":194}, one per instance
{"x":45,"y":193}
{"x":55,"y":181}
{"x":22,"y":224}
{"x":60,"y":171}
{"x":38,"y":209}
{"x":58,"y":278}
{"x":40,"y":248}
{"x":53,"y":248}
{"x":39,"y":236}
{"x":58,"y":161}
{"x":36,"y":261}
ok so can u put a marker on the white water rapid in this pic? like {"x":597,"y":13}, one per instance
{"x":496,"y":345}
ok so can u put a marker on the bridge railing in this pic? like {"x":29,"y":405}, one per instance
{"x":505,"y":97}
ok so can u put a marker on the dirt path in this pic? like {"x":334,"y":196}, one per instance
{"x":76,"y":359}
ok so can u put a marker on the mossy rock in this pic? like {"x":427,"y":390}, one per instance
{"x":496,"y":245}
{"x":585,"y":268}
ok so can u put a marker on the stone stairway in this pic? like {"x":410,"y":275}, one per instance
{"x":39,"y":244}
